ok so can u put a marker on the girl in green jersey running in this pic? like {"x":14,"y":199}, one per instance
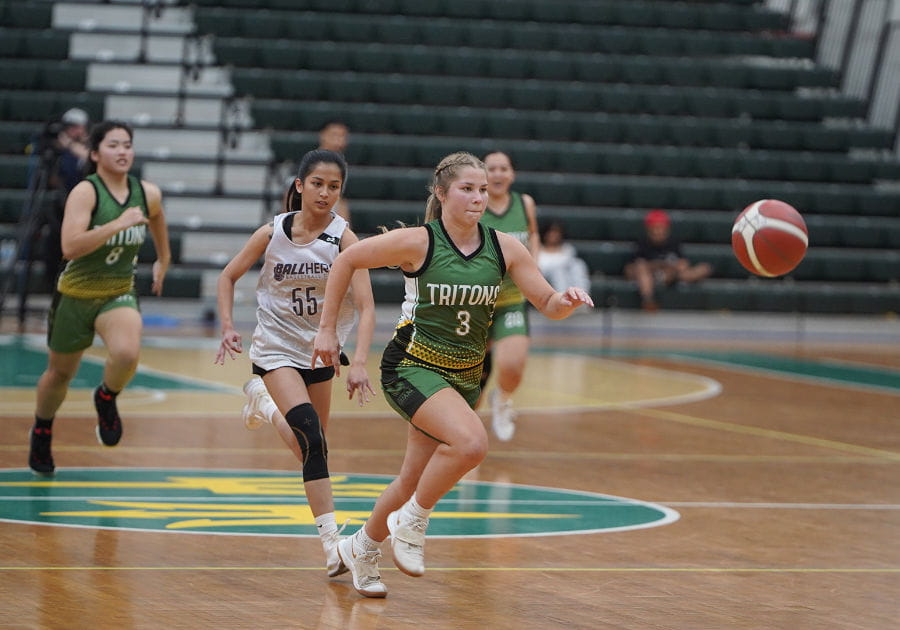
{"x":106,"y":220}
{"x":431,"y":369}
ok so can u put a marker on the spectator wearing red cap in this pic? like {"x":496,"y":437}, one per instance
{"x":658,"y":260}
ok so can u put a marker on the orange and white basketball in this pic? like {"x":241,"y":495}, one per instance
{"x":769,"y":238}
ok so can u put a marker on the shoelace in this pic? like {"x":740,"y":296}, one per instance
{"x":418,"y":524}
{"x":367,"y":566}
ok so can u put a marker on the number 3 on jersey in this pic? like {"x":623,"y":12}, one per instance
{"x":305,"y":304}
{"x":463,"y":329}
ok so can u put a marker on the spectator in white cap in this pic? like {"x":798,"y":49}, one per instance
{"x":73,"y":144}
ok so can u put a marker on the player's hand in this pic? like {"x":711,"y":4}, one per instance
{"x":358,"y":383}
{"x":327,"y":350}
{"x":133,"y":216}
{"x":574,"y":296}
{"x":159,"y":274}
{"x":231,"y":345}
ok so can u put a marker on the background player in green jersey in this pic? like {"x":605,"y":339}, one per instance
{"x":431,"y":369}
{"x":515,"y":214}
{"x":104,"y":224}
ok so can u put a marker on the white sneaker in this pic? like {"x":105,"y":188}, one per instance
{"x":502,"y":417}
{"x":363,"y":567}
{"x":253,"y":412}
{"x":408,"y":542}
{"x":333,"y":562}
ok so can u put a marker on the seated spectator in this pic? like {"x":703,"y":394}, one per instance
{"x":558,"y":261}
{"x":658,"y":260}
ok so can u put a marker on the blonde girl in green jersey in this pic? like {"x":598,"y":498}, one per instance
{"x":105,"y":222}
{"x":431,"y":369}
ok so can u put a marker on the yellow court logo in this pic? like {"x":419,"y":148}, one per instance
{"x":272,"y":503}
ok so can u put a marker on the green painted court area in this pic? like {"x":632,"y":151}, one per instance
{"x":21,"y":365}
{"x":272,"y":503}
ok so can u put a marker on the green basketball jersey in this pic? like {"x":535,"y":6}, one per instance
{"x":109,"y":270}
{"x":450,"y":301}
{"x":515,"y":223}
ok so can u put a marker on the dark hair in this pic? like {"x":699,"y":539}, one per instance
{"x":98,"y":133}
{"x":307,"y":163}
{"x":552,"y":224}
{"x":444,"y":173}
{"x":501,"y":152}
{"x":333,"y":121}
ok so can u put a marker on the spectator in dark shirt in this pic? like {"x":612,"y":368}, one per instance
{"x":658,"y":260}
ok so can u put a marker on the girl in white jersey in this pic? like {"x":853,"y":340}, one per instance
{"x":299,"y":247}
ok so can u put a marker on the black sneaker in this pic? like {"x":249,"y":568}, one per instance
{"x":109,"y":425}
{"x":39,"y":458}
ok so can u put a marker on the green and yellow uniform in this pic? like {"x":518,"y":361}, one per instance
{"x":441,"y":337}
{"x":510,"y":318}
{"x":101,"y":280}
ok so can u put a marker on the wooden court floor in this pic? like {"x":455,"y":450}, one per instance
{"x":776,"y":462}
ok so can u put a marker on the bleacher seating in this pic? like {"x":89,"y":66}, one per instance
{"x":608,"y":108}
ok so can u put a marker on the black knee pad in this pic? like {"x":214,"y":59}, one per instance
{"x":486,"y":369}
{"x":304,"y":421}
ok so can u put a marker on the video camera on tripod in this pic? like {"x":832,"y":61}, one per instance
{"x":58,"y":151}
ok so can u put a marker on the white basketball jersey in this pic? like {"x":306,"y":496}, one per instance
{"x":290,"y":296}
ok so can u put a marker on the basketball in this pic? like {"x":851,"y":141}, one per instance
{"x":769,"y":238}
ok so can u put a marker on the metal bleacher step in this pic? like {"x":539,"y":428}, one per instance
{"x":201,"y":144}
{"x":85,"y":16}
{"x":131,"y":47}
{"x":203,"y":178}
{"x":124,"y":78}
{"x":164,"y":110}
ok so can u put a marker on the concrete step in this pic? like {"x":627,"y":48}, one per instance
{"x":211,"y":248}
{"x":163,"y":110}
{"x":126,"y":47}
{"x":94,"y":16}
{"x":218,"y":212}
{"x":200,"y":179}
{"x":200,"y":144}
{"x":124,"y":78}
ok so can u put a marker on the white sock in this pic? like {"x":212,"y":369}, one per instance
{"x":269,"y":410}
{"x":362,"y":542}
{"x":412,"y":508}
{"x":326,"y":524}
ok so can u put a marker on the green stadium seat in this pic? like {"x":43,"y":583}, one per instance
{"x":466,"y":9}
{"x":553,"y":66}
{"x":354,"y":29}
{"x":65,"y":76}
{"x":422,"y":60}
{"x":466,"y":62}
{"x":46,"y":44}
{"x":531,"y":95}
{"x":483,"y":35}
{"x":397,"y":29}
{"x":574,"y":39}
{"x":510,"y":64}
{"x":420,"y":7}
{"x":393,"y":88}
{"x":14,"y":171}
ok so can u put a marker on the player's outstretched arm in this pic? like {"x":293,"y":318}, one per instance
{"x":524,"y":271}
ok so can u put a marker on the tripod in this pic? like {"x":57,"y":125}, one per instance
{"x":39,"y":209}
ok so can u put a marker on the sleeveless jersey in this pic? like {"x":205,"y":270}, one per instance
{"x":515,"y":223}
{"x":107,"y":271}
{"x":450,"y":301}
{"x":290,"y":295}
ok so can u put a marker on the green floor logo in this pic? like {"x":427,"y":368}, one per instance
{"x":272,"y":503}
